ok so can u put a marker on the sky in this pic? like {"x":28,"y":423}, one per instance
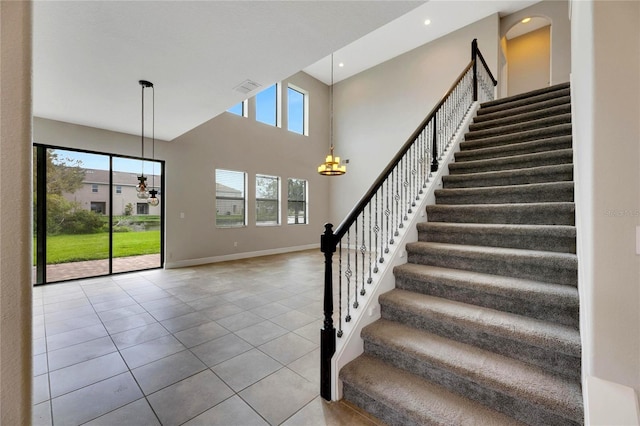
{"x":101,"y":162}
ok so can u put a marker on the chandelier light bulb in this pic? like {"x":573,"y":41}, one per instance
{"x":153,"y":200}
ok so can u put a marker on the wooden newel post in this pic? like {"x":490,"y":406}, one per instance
{"x":328,"y":332}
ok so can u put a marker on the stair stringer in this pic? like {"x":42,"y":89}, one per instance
{"x":351,"y":345}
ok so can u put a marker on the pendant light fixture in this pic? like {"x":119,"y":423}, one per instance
{"x":331,"y":165}
{"x":142,"y":188}
{"x":153,"y":193}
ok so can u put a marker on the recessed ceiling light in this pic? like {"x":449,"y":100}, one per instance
{"x":427,"y":21}
{"x":341,"y":64}
{"x":526,"y":20}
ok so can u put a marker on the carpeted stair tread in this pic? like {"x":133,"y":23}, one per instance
{"x":523,"y":213}
{"x":551,"y":302}
{"x":564,"y":108}
{"x":462,"y":363}
{"x":505,"y":104}
{"x":554,"y":91}
{"x":548,"y":158}
{"x":529,"y":237}
{"x":483,"y":116}
{"x":518,"y":137}
{"x":480,"y":321}
{"x":531,"y":147}
{"x":533,"y":192}
{"x":540,"y":174}
{"x":399,"y":397}
{"x":558,"y":268}
{"x":520,"y":127}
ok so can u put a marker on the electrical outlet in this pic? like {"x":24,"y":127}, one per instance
{"x":235,"y":244}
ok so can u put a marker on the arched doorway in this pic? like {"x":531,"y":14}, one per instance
{"x":527,"y":53}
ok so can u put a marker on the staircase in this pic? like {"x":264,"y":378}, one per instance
{"x":482,"y":327}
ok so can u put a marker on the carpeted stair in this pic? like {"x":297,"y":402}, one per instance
{"x":482,"y":327}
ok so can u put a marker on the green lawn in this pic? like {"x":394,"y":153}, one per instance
{"x":74,"y":248}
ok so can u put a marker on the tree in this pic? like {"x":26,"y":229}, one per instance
{"x":64,"y":176}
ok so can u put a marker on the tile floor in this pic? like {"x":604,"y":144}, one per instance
{"x":233,"y":343}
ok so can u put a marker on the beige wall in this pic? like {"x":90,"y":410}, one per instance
{"x":233,"y":143}
{"x":606,"y":104}
{"x":378,"y":109}
{"x":15,"y":213}
{"x":236,"y":143}
{"x":556,"y":11}
{"x":529,"y":59}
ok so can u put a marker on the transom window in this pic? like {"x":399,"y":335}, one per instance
{"x":239,"y":109}
{"x":267,"y":103}
{"x":297,"y":106}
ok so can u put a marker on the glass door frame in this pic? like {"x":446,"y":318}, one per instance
{"x":41,"y":211}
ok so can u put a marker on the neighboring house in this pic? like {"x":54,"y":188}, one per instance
{"x":229,"y":200}
{"x":94,"y":193}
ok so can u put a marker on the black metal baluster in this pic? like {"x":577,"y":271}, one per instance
{"x":347,"y":274}
{"x":387,"y":212}
{"x":340,"y":289}
{"x":363,"y":252}
{"x":396,"y":198}
{"x":376,"y":230}
{"x":405,"y":183}
{"x":355,"y":275}
{"x":375,"y":247}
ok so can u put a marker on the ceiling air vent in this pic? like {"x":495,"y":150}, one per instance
{"x":247,"y":86}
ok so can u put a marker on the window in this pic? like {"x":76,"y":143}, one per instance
{"x":118,"y":189}
{"x":239,"y":109}
{"x":267,"y":200}
{"x":143,"y":208}
{"x":297,"y":201}
{"x":94,"y":187}
{"x":297,"y":106}
{"x":267,"y":106}
{"x":230,"y":198}
{"x":99,"y":207}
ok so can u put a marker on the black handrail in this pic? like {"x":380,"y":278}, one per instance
{"x":351,"y":217}
{"x":330,"y":239}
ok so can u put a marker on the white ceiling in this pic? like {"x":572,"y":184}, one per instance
{"x":89,"y":55}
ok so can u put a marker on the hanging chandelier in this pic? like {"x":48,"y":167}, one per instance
{"x":142,"y":188}
{"x":331,"y":165}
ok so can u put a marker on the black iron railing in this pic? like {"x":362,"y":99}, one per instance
{"x":363,"y":238}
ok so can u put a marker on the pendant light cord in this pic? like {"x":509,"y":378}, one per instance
{"x":153,"y":135}
{"x":331,"y":112}
{"x":142,"y":132}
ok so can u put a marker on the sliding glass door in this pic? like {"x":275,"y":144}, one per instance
{"x":88,"y":220}
{"x":136,"y":223}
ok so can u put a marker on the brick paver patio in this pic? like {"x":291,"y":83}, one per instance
{"x":90,"y":268}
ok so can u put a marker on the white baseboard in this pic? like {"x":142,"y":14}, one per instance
{"x":608,"y":403}
{"x":238,"y":256}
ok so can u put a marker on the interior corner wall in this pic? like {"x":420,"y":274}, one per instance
{"x":606,"y":103}
{"x":237,"y":143}
{"x":557,"y":11}
{"x":377,"y":110}
{"x":15,"y":213}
